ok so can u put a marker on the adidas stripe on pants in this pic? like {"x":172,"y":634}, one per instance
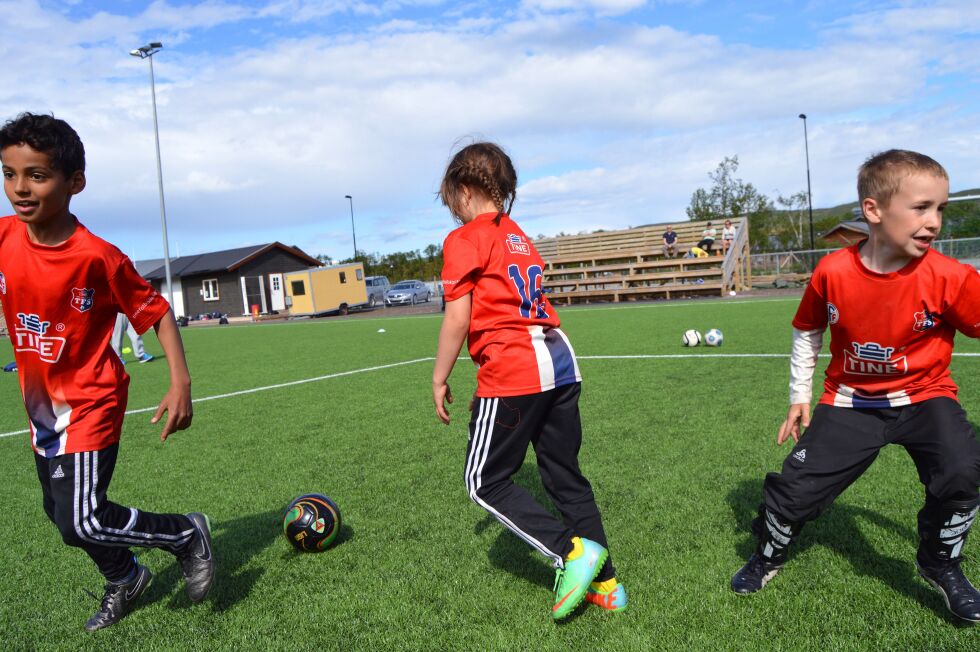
{"x":74,"y":491}
{"x":500,"y":431}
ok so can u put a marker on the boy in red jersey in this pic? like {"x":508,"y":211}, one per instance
{"x":528,"y":381}
{"x":61,"y":288}
{"x":893,"y":305}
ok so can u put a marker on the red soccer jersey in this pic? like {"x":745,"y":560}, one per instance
{"x":60,"y":304}
{"x":514,"y":336}
{"x":891,"y":335}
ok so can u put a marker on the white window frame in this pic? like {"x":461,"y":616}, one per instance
{"x":209,"y":289}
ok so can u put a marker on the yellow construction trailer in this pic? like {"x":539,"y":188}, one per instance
{"x":325,"y":290}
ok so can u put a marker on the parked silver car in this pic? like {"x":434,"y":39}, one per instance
{"x":407,"y":292}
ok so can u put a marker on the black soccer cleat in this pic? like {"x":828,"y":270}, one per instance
{"x":118,"y":600}
{"x":754,"y":575}
{"x":197,"y":561}
{"x":962,"y":599}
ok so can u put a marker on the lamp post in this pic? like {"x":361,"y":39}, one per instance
{"x":353,"y":233}
{"x":147,"y":52}
{"x":809,"y":194}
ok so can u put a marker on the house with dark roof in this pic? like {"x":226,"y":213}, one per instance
{"x":847,"y":233}
{"x":230,"y":281}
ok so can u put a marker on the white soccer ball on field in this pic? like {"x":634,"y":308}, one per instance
{"x":714,"y":337}
{"x":691,"y":338}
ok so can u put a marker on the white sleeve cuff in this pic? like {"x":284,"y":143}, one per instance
{"x":806,"y":348}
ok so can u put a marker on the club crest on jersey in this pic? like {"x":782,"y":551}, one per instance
{"x":924,"y":320}
{"x":833,"y":314}
{"x":30,"y":335}
{"x":872,"y":359}
{"x":82,"y":299}
{"x":517,"y":245}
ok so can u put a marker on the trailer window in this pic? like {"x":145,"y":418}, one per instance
{"x":360,"y":274}
{"x":299,"y":288}
{"x":343,"y":277}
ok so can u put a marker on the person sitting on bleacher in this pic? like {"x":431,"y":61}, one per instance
{"x":670,"y":242}
{"x":727,"y":237}
{"x":707,"y":238}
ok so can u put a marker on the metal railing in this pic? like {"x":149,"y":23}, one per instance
{"x":787,"y":263}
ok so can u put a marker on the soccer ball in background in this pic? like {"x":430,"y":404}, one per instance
{"x":311,"y":522}
{"x":691,"y":338}
{"x":713,"y":337}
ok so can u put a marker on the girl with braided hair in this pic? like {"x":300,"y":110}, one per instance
{"x":528,"y":382}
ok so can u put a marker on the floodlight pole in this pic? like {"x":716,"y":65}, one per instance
{"x":353,"y":233}
{"x":147,"y":52}
{"x":809,"y":194}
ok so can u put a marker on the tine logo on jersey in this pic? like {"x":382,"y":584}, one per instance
{"x":924,"y":320}
{"x":30,"y":336}
{"x":517,"y":245}
{"x":82,"y":299}
{"x":532,"y":298}
{"x":833,"y":314}
{"x":872,"y":359}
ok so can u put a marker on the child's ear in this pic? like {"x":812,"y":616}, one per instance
{"x":77,"y":182}
{"x":871,"y":210}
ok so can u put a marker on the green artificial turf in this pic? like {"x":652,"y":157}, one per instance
{"x":676,"y":449}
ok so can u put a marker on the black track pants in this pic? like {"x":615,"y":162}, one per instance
{"x":841,"y":443}
{"x":74,"y":491}
{"x":500,"y":431}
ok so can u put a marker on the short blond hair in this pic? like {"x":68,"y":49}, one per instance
{"x":881,"y":175}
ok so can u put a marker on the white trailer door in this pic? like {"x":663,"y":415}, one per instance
{"x":278,"y":292}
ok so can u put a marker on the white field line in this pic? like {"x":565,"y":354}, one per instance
{"x":340,"y":374}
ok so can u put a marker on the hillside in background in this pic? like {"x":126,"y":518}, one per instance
{"x":845,"y":209}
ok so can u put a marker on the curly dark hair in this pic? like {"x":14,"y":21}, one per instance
{"x":484,"y":167}
{"x":47,"y":134}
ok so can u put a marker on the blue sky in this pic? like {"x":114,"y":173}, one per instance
{"x":613,"y":110}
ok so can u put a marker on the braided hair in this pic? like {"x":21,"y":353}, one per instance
{"x":484,"y":167}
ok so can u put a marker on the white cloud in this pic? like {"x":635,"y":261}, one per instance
{"x":611,"y":124}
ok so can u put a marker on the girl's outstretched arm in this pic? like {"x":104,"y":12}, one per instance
{"x":455,"y":325}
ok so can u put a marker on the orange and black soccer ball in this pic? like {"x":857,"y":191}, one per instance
{"x":311,"y":522}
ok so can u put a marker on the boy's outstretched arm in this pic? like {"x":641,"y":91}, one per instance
{"x":806,"y":348}
{"x":455,"y":325}
{"x":177,"y":401}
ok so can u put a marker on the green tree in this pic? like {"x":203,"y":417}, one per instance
{"x":793,"y":232}
{"x":728,"y":197}
{"x":961,"y":220}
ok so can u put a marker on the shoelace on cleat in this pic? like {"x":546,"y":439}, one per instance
{"x":958,"y":582}
{"x":559,"y":574}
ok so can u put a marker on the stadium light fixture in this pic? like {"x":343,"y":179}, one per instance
{"x":353,"y":233}
{"x":809,"y":193}
{"x":146,"y":52}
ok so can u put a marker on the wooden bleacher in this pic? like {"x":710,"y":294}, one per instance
{"x":629,"y":265}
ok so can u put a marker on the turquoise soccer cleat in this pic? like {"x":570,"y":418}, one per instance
{"x":613,"y":599}
{"x":572,"y":582}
